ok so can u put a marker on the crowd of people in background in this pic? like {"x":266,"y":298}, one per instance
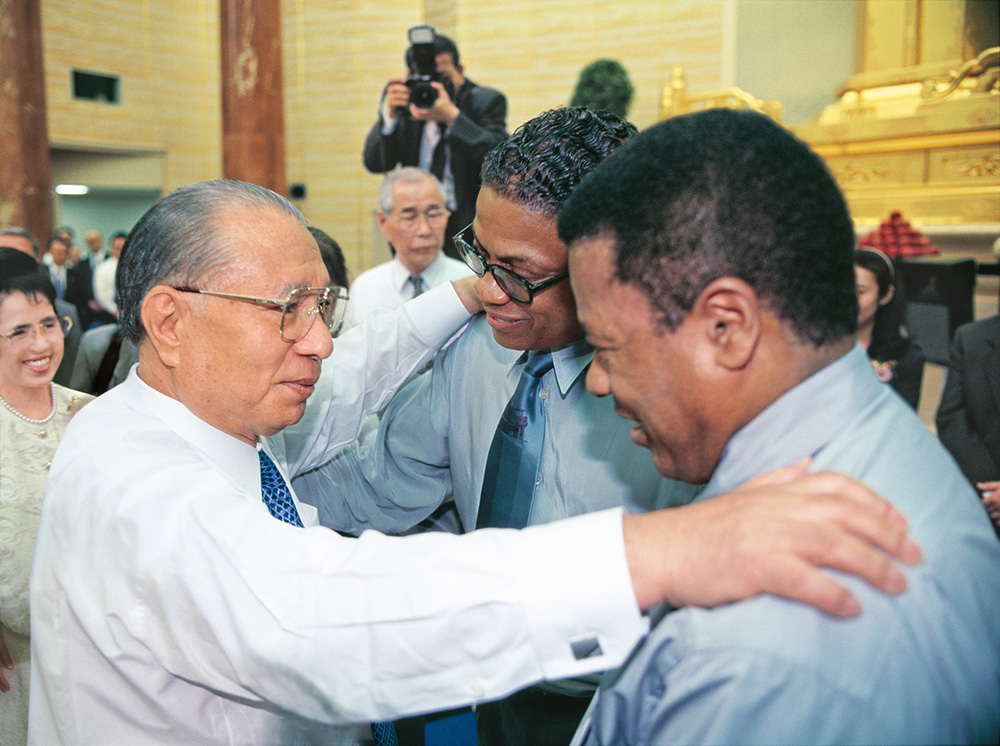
{"x":540,"y":315}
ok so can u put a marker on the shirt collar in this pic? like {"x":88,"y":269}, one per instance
{"x":800,"y":423}
{"x":568,"y":363}
{"x":401,"y":275}
{"x":237,"y":459}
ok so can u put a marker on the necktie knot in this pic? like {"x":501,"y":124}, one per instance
{"x":418,"y":284}
{"x":538,"y":365}
{"x":275,"y":493}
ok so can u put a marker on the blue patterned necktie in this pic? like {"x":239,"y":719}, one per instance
{"x":512,"y":465}
{"x":418,"y":284}
{"x":275,"y":492}
{"x":384,"y":734}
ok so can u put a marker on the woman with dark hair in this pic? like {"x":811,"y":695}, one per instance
{"x":34,"y":412}
{"x":882,"y":325}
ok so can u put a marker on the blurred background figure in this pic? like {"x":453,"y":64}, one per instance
{"x":897,"y":360}
{"x":413,"y":217}
{"x":448,"y":136}
{"x":333,"y":256}
{"x":33,"y":416}
{"x":968,"y":418}
{"x":105,"y":305}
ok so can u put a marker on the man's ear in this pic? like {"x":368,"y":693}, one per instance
{"x":730,"y":311}
{"x":381,"y":218}
{"x":162,"y":315}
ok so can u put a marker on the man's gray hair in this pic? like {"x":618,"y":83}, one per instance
{"x":407,"y":175}
{"x":179,"y":242}
{"x":13,"y":230}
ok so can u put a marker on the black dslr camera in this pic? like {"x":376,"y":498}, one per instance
{"x":423,"y":68}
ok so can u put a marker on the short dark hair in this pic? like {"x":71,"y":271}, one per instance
{"x":19,"y":273}
{"x":14,"y":230}
{"x":333,"y":256}
{"x":540,"y":164}
{"x":442,"y":45}
{"x":179,"y":242}
{"x":724,"y":193}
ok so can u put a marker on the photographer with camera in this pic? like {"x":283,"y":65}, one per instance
{"x":438,"y":120}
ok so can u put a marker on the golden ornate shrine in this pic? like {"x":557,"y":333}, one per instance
{"x":922,"y":137}
{"x":924,"y":140}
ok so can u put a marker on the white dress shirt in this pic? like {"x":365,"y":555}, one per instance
{"x":104,"y":284}
{"x":388,"y":285}
{"x":170,"y":607}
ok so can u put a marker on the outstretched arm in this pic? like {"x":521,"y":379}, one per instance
{"x":771,"y":535}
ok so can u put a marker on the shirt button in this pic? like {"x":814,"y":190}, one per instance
{"x":478,"y":691}
{"x":543,"y":394}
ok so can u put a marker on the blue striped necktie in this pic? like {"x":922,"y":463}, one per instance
{"x":512,"y":464}
{"x":275,"y":493}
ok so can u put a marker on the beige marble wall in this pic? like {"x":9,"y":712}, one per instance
{"x":166,"y":53}
{"x":338,"y":56}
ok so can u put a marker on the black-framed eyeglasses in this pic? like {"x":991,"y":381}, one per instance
{"x":510,"y":282}
{"x":50,"y":325}
{"x":299,"y":310}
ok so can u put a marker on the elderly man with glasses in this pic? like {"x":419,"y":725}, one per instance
{"x":412,"y":217}
{"x":182,"y":594}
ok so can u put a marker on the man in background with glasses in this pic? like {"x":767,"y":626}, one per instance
{"x":412,"y":216}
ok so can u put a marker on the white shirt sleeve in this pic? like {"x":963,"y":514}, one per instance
{"x":369,"y":363}
{"x":200,"y":611}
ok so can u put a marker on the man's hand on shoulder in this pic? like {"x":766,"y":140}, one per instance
{"x":770,"y":535}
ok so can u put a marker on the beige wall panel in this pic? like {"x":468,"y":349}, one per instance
{"x":337,"y":58}
{"x":165,"y":53}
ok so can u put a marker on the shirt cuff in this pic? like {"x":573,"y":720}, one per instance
{"x":436,"y":314}
{"x":584,"y":617}
{"x":388,"y":125}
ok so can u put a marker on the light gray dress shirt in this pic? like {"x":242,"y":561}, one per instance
{"x":435,"y":436}
{"x":921,"y":667}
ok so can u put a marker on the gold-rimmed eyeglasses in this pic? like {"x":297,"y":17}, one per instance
{"x":299,"y":310}
{"x":25,"y":334}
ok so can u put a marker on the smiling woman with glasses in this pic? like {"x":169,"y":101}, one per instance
{"x":515,"y":286}
{"x":34,"y":412}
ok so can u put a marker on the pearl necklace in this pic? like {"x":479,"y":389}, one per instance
{"x":52,"y":394}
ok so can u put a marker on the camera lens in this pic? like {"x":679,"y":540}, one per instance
{"x":422,"y":93}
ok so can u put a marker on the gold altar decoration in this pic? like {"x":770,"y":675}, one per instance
{"x":676,"y":99}
{"x":924,"y":139}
